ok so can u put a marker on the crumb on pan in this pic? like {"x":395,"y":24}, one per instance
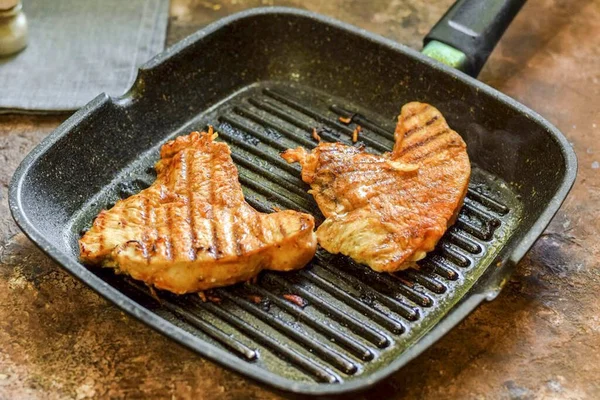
{"x":212,"y":133}
{"x":345,"y":120}
{"x":214,"y":299}
{"x":315,"y":135}
{"x":297,"y":300}
{"x":355,"y":133}
{"x":153,"y":293}
{"x":202,"y":296}
{"x":254,"y":298}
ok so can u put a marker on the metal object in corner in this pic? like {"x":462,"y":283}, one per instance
{"x":13,"y":27}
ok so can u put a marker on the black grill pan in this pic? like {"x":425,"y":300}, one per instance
{"x":264,"y":78}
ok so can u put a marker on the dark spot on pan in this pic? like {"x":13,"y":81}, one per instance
{"x":150,"y":171}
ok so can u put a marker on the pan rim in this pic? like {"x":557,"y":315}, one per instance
{"x":212,"y":352}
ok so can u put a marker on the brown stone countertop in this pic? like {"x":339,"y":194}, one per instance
{"x":539,"y":339}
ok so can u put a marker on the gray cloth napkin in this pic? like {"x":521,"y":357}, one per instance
{"x":79,"y":49}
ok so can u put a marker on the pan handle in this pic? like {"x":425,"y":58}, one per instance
{"x":469,"y":31}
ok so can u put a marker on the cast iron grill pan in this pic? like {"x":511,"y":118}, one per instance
{"x":347,"y":320}
{"x":264,"y":79}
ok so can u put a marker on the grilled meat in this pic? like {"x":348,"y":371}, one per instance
{"x":388,"y":211}
{"x":192,"y":230}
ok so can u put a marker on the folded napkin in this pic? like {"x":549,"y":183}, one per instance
{"x":79,"y":49}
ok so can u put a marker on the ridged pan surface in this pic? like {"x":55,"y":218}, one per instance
{"x":347,"y":321}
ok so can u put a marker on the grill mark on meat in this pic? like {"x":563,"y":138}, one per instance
{"x":259,"y":230}
{"x":227,"y":241}
{"x":281,"y":228}
{"x":101,"y":223}
{"x":444,"y":145}
{"x":213,"y":247}
{"x":419,"y":128}
{"x":421,"y":143}
{"x":152,"y":221}
{"x":170,"y":250}
{"x":189,"y":180}
{"x":411,"y":114}
{"x":432,"y":120}
{"x":145,"y":226}
{"x":236,"y":233}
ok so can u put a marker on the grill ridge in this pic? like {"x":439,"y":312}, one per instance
{"x":440,"y":266}
{"x":280,"y":113}
{"x":244,"y":127}
{"x":278,"y":161}
{"x":487,"y":201}
{"x":217,"y":334}
{"x":461,"y":240}
{"x":393,"y":304}
{"x":295,"y":204}
{"x":299,"y":190}
{"x":454,"y":254}
{"x":484,"y":216}
{"x":374,"y":336}
{"x":426,"y":280}
{"x":479,"y":230}
{"x":389,"y":283}
{"x":320,"y":372}
{"x":351,"y":345}
{"x":385,"y":321}
{"x":256,"y":118}
{"x":292,"y":103}
{"x":324,"y":352}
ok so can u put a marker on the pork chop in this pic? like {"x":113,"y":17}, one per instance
{"x":388,"y":211}
{"x":192,"y":230}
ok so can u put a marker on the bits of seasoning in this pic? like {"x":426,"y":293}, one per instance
{"x":214,"y":299}
{"x":345,"y":120}
{"x":153,"y":293}
{"x":355,"y":133}
{"x":315,"y":135}
{"x":254,"y":298}
{"x":297,"y":300}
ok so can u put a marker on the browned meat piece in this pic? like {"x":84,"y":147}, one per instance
{"x":388,"y":211}
{"x":192,"y":230}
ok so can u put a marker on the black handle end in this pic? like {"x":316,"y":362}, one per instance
{"x":474,"y":27}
